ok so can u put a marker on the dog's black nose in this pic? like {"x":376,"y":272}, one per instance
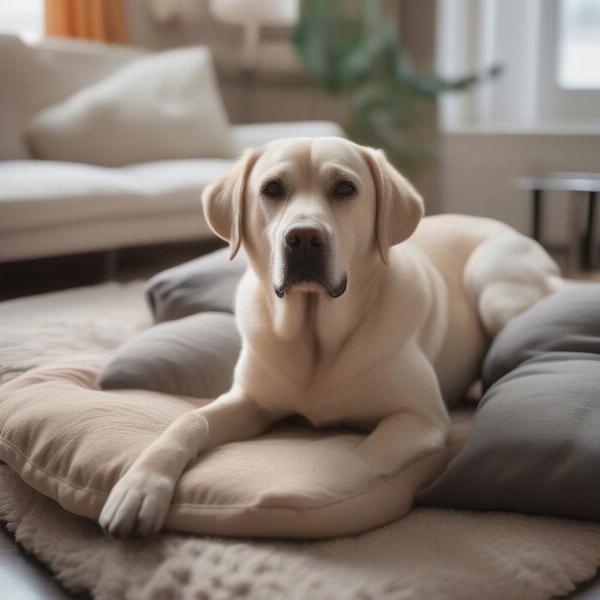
{"x":304,"y":240}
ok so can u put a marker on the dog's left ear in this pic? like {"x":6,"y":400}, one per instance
{"x":399,"y":205}
{"x":223,"y":202}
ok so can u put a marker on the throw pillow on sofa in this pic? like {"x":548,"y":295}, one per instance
{"x":163,"y":106}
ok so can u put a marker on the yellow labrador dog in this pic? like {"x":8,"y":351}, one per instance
{"x":344,"y":319}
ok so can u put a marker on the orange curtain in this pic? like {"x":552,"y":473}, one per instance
{"x":99,"y":20}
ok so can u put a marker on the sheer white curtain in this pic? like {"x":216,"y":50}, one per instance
{"x":474,"y":34}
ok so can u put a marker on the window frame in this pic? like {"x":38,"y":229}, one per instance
{"x":558,"y":104}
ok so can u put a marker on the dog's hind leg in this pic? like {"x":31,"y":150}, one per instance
{"x":506,"y":274}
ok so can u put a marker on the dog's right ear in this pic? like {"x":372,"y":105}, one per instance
{"x":223,"y":202}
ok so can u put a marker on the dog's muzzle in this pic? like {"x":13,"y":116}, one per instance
{"x":307,"y":259}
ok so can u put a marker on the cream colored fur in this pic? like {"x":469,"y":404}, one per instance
{"x":408,"y":333}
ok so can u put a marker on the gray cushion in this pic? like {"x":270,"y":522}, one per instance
{"x":535,"y":443}
{"x":193,"y":357}
{"x":568,"y":321}
{"x":205,"y":284}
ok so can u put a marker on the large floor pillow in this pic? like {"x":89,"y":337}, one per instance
{"x":535,"y":441}
{"x":72,"y":442}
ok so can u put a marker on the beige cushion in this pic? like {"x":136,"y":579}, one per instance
{"x":72,"y":442}
{"x":162,"y":106}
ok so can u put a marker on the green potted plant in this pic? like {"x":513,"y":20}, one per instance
{"x":354,"y":52}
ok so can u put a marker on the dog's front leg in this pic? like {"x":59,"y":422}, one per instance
{"x":419,"y":428}
{"x":139,"y":502}
{"x":401,"y":440}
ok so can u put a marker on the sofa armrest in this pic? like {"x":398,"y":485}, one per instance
{"x":256,"y":134}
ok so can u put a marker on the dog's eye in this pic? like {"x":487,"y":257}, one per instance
{"x":273,"y":189}
{"x":343,"y":189}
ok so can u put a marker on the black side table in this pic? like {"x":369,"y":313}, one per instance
{"x":577,"y":185}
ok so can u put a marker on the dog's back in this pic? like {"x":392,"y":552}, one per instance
{"x":492,"y":273}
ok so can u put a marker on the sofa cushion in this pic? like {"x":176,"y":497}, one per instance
{"x":72,"y":442}
{"x":194,"y":356}
{"x":45,"y":193}
{"x":162,"y":106}
{"x":178,"y":183}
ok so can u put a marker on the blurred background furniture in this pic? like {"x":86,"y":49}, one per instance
{"x":579,"y":188}
{"x":50,"y":208}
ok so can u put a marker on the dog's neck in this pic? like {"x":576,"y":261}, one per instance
{"x":329,"y":321}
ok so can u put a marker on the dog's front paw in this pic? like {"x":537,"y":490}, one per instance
{"x":137,"y":504}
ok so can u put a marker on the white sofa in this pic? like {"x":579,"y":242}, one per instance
{"x":50,"y":208}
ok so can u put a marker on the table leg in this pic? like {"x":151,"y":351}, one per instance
{"x":575,"y":259}
{"x":537,"y":214}
{"x":590,"y":246}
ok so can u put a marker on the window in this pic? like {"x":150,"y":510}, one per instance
{"x":579,"y":45}
{"x":24,"y":18}
{"x":550,"y":50}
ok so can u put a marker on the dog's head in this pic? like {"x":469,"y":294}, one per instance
{"x":310,"y":212}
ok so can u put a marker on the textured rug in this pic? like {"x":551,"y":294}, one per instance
{"x":430,"y":554}
{"x":41,"y":329}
